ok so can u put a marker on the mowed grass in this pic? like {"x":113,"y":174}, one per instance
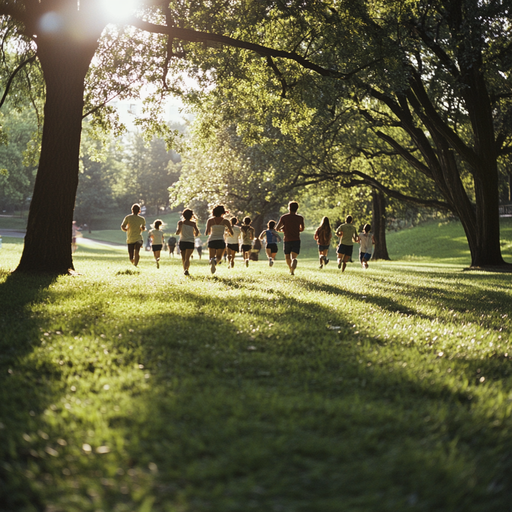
{"x":142,"y":390}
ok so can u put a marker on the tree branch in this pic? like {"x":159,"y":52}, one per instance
{"x":11,"y":78}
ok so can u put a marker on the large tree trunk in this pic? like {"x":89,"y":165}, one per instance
{"x":48,"y":239}
{"x":379,"y":225}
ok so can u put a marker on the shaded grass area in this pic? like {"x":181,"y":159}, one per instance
{"x":127,"y":389}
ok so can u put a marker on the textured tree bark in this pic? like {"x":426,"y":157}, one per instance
{"x":379,"y":225}
{"x":48,"y":241}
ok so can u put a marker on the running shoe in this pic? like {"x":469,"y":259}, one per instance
{"x":186,"y":273}
{"x":294,"y":263}
{"x":339,"y":263}
{"x":270,"y":262}
{"x":157,"y":264}
{"x":213,"y":265}
{"x":247,"y":263}
{"x":326,"y":260}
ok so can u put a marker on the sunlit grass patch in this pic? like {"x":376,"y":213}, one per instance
{"x":142,"y":389}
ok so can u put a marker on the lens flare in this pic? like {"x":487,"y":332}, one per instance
{"x":51,"y":23}
{"x":119,"y":10}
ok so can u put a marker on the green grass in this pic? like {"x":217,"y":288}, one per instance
{"x":142,"y":390}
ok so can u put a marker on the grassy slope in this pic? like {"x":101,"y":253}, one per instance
{"x":384,"y":390}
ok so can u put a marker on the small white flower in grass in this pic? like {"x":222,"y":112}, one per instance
{"x":86,"y":448}
{"x":102,"y":449}
{"x":106,"y":387}
{"x":251,"y":348}
{"x":334,"y":327}
{"x":482,"y":379}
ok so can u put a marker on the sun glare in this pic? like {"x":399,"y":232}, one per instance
{"x":119,"y":10}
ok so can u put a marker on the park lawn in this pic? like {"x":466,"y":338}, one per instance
{"x":142,"y":390}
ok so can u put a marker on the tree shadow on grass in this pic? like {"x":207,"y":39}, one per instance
{"x":221,"y":415}
{"x":25,"y":387}
{"x":237,"y":421}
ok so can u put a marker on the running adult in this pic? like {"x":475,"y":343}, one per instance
{"x":188,"y":230}
{"x":291,"y":224}
{"x":216,"y":226}
{"x":271,"y":238}
{"x":348,"y":236}
{"x":323,"y":236}
{"x":134,"y":225}
{"x":233,"y":242}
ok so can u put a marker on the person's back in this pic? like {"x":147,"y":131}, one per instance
{"x":349,"y":233}
{"x":134,"y":224}
{"x":235,"y":237}
{"x":291,"y":224}
{"x":366,"y":243}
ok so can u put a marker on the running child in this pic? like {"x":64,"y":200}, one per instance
{"x":233,"y":242}
{"x":188,"y":230}
{"x":157,"y":240}
{"x":271,"y":238}
{"x":247,"y":238}
{"x":323,"y":235}
{"x":366,"y":241}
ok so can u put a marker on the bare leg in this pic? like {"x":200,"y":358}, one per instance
{"x":185,"y":256}
{"x":136,"y":254}
{"x":344,"y":263}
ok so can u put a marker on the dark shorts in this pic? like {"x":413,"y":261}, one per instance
{"x":345,"y":249}
{"x":186,"y":245}
{"x":132,"y":247}
{"x":272,"y":248}
{"x":323,"y":247}
{"x":290,"y":247}
{"x":216,"y":244}
{"x":246,"y":247}
{"x":233,"y":247}
{"x":156,"y":247}
{"x":365,"y":256}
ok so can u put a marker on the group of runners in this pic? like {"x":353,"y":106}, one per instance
{"x":230,"y":237}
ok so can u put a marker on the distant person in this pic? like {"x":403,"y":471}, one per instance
{"x":233,"y":242}
{"x":366,"y":243}
{"x":347,"y":234}
{"x":171,"y":244}
{"x":198,"y":243}
{"x":247,"y":238}
{"x":74,"y":233}
{"x":188,"y":230}
{"x":271,"y":238}
{"x":256,"y":248}
{"x":323,"y":236}
{"x":216,"y":226}
{"x":156,"y":237}
{"x":291,"y":224}
{"x":134,"y":225}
